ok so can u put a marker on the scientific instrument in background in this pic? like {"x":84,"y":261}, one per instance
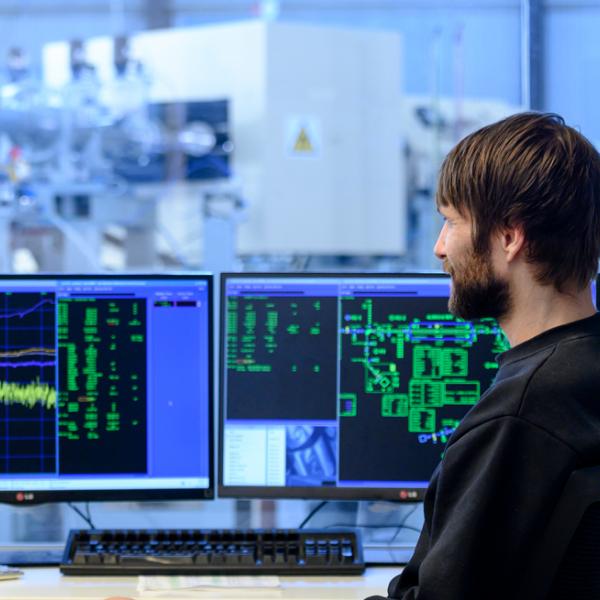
{"x":308,"y":138}
{"x":74,"y":158}
{"x":432,"y":126}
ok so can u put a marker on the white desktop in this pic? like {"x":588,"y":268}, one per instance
{"x":48,"y":583}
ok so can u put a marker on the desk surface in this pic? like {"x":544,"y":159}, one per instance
{"x":48,"y":583}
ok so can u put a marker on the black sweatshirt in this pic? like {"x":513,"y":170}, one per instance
{"x":505,"y":467}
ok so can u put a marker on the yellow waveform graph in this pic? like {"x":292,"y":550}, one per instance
{"x":28,"y":394}
{"x":28,"y":352}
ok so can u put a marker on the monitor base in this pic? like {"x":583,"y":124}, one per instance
{"x":387,"y":555}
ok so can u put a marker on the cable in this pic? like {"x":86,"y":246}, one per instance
{"x":87,"y":517}
{"x":312,"y":513}
{"x":89,"y":514}
{"x":403,"y":524}
{"x":365,"y":526}
{"x":399,"y":527}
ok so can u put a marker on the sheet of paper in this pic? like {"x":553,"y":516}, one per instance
{"x":9,"y":572}
{"x":204,"y":582}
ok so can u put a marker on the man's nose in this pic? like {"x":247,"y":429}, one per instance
{"x":439,"y":249}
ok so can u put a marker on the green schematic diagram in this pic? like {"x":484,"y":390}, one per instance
{"x":423,"y":366}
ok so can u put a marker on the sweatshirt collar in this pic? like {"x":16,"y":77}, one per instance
{"x":551,"y":337}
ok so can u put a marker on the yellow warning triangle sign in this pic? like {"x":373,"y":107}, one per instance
{"x":303,"y":143}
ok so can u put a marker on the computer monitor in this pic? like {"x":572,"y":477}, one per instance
{"x":105,"y":387}
{"x":343,"y":386}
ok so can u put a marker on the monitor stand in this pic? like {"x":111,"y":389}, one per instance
{"x":397,"y":554}
{"x":31,"y":555}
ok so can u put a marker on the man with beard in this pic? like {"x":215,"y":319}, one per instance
{"x":521,"y":241}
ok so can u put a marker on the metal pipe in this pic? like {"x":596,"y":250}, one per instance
{"x":526,"y":54}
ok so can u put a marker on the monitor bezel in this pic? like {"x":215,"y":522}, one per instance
{"x":29,"y":497}
{"x":398,"y":494}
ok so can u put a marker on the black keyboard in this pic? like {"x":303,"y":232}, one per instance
{"x":212,"y":551}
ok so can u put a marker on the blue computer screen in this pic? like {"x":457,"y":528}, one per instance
{"x":344,"y":386}
{"x":105,"y":387}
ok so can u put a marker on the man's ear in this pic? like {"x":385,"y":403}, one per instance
{"x":512,"y":242}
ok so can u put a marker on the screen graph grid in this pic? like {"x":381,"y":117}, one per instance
{"x":28,"y":385}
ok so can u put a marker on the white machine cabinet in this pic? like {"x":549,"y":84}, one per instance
{"x":315,"y":119}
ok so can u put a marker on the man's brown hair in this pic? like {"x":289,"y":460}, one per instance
{"x":534,"y":171}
